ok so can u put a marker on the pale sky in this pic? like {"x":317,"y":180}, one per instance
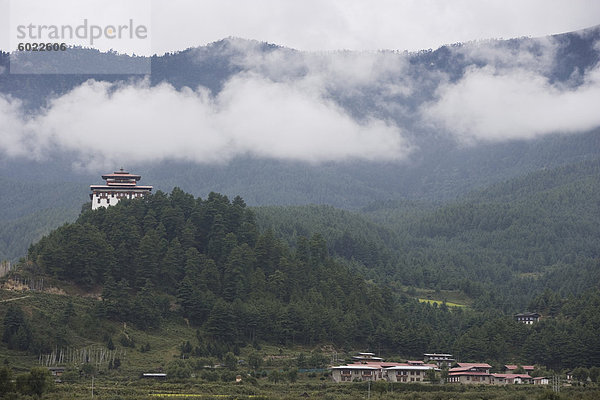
{"x":313,"y":24}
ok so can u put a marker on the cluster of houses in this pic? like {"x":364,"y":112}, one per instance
{"x":367,"y":367}
{"x":480,"y":373}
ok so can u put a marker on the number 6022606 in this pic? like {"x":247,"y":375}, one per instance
{"x":42,"y":46}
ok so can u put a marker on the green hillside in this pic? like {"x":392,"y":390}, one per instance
{"x":206,"y":261}
{"x":31,"y":208}
{"x":368,"y":246}
{"x":174,"y":283}
{"x":518,"y":238}
{"x":16,"y":235}
{"x":500,"y":246}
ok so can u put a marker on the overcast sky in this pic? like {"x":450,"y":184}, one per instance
{"x":362,"y":24}
{"x":272,"y":110}
{"x":320,"y":24}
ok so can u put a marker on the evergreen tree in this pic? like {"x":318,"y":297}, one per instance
{"x":17,"y":333}
{"x":149,"y":258}
{"x":221,"y":323}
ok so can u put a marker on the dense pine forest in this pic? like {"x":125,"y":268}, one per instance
{"x":501,"y":246}
{"x":240,"y":282}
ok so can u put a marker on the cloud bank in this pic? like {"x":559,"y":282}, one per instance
{"x":108,"y":124}
{"x":488,"y":104}
{"x":314,"y":107}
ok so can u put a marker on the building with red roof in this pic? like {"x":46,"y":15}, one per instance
{"x":512,"y":367}
{"x":470,"y":373}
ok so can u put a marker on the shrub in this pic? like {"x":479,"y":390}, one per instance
{"x":210,"y":376}
{"x":178,"y":369}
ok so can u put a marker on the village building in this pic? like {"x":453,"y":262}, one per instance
{"x":119,"y":185}
{"x":366,"y":357}
{"x":409,"y":373}
{"x":540,"y":380}
{"x":569,"y":377}
{"x":412,"y":371}
{"x":354,"y":372}
{"x":440,"y":359}
{"x":470,"y":373}
{"x":371,"y":368}
{"x":510,"y":368}
{"x":56,"y":373}
{"x":528,"y":318}
{"x":511,"y":379}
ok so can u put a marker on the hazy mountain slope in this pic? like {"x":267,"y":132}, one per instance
{"x":349,"y":235}
{"x":500,"y":245}
{"x":515,"y":235}
{"x":16,"y":235}
{"x":237,"y":286}
{"x":31,"y":207}
{"x":391,"y":86}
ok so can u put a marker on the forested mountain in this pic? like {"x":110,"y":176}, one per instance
{"x":235,"y":283}
{"x":391,"y":86}
{"x":510,"y":225}
{"x":17,"y":234}
{"x":168,"y":256}
{"x":30,"y":208}
{"x":502,"y":245}
{"x":353,"y":237}
{"x":519,"y":236}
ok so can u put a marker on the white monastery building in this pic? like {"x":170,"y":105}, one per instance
{"x":119,"y":185}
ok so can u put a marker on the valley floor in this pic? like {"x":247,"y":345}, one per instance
{"x":306,"y":388}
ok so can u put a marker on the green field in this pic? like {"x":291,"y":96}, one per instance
{"x":452,"y":298}
{"x":440,"y":302}
{"x":307,"y":388}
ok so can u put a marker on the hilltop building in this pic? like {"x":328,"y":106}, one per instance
{"x":119,"y":185}
{"x":528,"y":318}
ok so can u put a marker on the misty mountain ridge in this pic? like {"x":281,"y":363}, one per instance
{"x":386,"y":105}
{"x":280,"y":126}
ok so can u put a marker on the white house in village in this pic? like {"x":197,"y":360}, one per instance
{"x":541,"y":380}
{"x":479,"y":373}
{"x":440,"y":359}
{"x":470,"y":373}
{"x":414,"y":371}
{"x":355,"y":372}
{"x":409,"y":373}
{"x":511,"y":379}
{"x":366,"y":357}
{"x":119,"y":185}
